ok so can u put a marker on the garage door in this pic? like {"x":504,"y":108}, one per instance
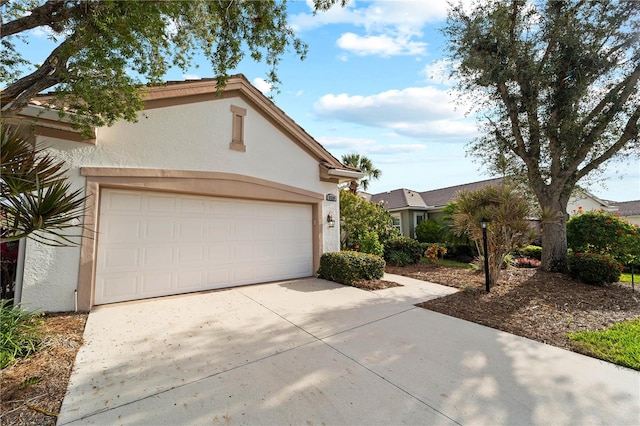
{"x":155,"y":244}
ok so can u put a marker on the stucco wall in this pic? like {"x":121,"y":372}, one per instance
{"x":582,"y":203}
{"x":183,"y":137}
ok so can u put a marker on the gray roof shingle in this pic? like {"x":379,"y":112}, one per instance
{"x":440,"y":197}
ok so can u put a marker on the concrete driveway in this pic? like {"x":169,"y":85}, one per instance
{"x":315,"y":352}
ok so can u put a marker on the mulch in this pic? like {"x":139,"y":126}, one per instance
{"x":531,"y":303}
{"x":47,"y":370}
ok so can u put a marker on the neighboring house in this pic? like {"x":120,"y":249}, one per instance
{"x":205,"y":191}
{"x":408,"y":208}
{"x":629,"y":211}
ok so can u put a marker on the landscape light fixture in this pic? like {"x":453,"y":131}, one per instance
{"x":484,"y":222}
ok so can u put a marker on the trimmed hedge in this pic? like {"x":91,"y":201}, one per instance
{"x":346,"y":267}
{"x":592,"y":268}
{"x":533,"y":252}
{"x":411,"y":250}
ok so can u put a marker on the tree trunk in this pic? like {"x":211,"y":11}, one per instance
{"x":554,"y":233}
{"x":554,"y":246}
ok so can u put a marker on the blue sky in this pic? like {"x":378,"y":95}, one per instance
{"x":374,"y":82}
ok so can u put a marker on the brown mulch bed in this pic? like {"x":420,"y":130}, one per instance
{"x":39,"y":403}
{"x":375,"y":284}
{"x":531,"y":303}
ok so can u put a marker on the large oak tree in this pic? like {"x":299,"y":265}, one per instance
{"x":556,"y":84}
{"x":107,"y":48}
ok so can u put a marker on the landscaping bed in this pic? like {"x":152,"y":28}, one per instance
{"x":34,"y":387}
{"x":539,"y":305}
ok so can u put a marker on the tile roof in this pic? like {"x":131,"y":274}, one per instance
{"x":440,"y":197}
{"x":628,"y":208}
{"x":399,"y":198}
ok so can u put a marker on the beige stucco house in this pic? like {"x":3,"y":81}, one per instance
{"x":203,"y":192}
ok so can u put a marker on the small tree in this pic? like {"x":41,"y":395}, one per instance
{"x":603,"y":233}
{"x":359,"y":217}
{"x":508,"y":228}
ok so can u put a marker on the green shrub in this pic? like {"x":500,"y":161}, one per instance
{"x":20,"y":334}
{"x":593,"y":268}
{"x":369,"y":243}
{"x":410,"y":247}
{"x":398,"y":258}
{"x":533,"y":252}
{"x":346,"y":267}
{"x":603,"y":233}
{"x":359,"y":216}
{"x":429,"y":231}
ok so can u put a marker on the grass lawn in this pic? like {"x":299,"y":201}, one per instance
{"x":447,"y":262}
{"x":619,"y":343}
{"x":626,"y":278}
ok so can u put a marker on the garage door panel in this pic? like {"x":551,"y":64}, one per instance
{"x":191,"y":280}
{"x":218,"y":253}
{"x":153,"y":244}
{"x":192,"y":205}
{"x":123,"y":229}
{"x":161,"y":204}
{"x":121,"y":258}
{"x":191,"y":255}
{"x":161,"y":282}
{"x":191,"y":229}
{"x":219,"y":230}
{"x":125,"y":202}
{"x":117,"y":287}
{"x":159,"y":230}
{"x":157,"y":257}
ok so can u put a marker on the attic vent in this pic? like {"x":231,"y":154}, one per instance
{"x":237,"y":135}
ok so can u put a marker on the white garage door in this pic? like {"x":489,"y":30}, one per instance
{"x":154,"y":244}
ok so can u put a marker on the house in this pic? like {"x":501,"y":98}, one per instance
{"x":408,"y":208}
{"x":205,"y":191}
{"x":629,"y":211}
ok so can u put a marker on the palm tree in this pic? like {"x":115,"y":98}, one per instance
{"x":35,"y":197}
{"x":508,"y":229}
{"x":363,"y":164}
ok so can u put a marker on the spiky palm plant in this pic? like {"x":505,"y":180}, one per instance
{"x":509,"y":226}
{"x":36,"y":199}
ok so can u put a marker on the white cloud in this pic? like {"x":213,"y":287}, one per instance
{"x":376,"y":14}
{"x":425,"y":113}
{"x":383,"y":45}
{"x":191,"y":77}
{"x":368,"y":146}
{"x":439,"y":72}
{"x":389,"y":27}
{"x":262,"y":85}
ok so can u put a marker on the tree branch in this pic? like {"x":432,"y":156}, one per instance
{"x":51,"y":14}
{"x":630,"y":132}
{"x":15,"y":97}
{"x":605,"y":118}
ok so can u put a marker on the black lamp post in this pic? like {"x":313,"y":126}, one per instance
{"x":484,"y":222}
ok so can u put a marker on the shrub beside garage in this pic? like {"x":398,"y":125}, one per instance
{"x":347,"y":267}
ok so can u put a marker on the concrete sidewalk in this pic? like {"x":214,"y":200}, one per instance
{"x":315,"y":352}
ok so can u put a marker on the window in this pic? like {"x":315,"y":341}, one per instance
{"x":395,"y":222}
{"x":237,"y":135}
